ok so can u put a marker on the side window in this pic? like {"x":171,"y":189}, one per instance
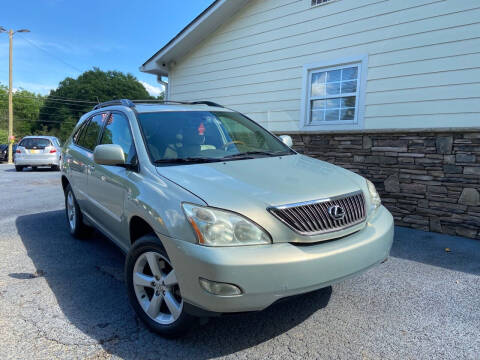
{"x":117,"y":131}
{"x":80,"y":131}
{"x":89,"y":136}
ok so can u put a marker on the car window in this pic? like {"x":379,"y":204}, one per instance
{"x":37,"y":143}
{"x":78,"y":134}
{"x":211,"y":135}
{"x":117,"y":132}
{"x":89,"y":137}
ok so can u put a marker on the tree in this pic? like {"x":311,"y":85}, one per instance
{"x":74,"y":97}
{"x":26,"y":109}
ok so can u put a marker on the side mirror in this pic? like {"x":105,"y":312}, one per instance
{"x":109,"y":154}
{"x":287,"y":140}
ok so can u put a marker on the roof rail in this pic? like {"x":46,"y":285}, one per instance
{"x":124,"y":102}
{"x":208,"y":103}
{"x":130,"y":103}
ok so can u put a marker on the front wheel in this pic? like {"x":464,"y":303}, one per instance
{"x":153,"y":288}
{"x":18,"y":168}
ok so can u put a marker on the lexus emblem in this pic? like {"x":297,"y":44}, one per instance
{"x":336,"y":212}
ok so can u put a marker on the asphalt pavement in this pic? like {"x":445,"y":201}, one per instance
{"x":65,"y":298}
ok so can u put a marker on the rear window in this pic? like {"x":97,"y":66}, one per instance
{"x":36,"y":143}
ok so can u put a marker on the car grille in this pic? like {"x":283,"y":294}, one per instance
{"x":313,"y":218}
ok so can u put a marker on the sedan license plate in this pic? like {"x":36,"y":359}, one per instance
{"x":34,"y":151}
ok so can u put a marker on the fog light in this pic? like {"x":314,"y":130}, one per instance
{"x":218,"y":288}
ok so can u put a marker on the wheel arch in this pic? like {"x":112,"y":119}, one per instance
{"x":65,"y":183}
{"x":139,"y":227}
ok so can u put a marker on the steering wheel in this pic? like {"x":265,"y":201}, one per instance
{"x":230,"y":143}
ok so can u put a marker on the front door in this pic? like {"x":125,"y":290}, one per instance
{"x":110,"y":185}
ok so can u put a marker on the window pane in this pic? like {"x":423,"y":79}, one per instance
{"x":349,"y":87}
{"x":347,"y":114}
{"x":332,"y":115}
{"x":318,"y":104}
{"x":318,"y":77}
{"x":350,"y":73}
{"x":348,"y":101}
{"x":333,"y":89}
{"x":333,"y":103}
{"x":318,"y":89}
{"x":90,"y":137}
{"x":317,"y":115}
{"x":318,"y":84}
{"x":334,"y":75}
{"x":117,"y":132}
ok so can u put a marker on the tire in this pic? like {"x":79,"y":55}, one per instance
{"x":34,"y":168}
{"x":74,"y":216}
{"x":159,"y":284}
{"x":55,"y":167}
{"x":18,"y":168}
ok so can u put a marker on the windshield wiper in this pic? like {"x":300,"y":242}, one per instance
{"x":189,"y":160}
{"x":248,"y":154}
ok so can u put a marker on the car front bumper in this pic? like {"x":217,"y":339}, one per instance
{"x":37,"y":160}
{"x":267,"y":273}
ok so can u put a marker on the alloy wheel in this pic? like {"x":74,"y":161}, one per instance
{"x":72,"y":220}
{"x":156,"y":288}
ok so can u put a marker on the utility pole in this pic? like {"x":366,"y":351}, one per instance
{"x":10,"y":90}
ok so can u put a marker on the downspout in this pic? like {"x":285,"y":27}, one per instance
{"x":165,"y":86}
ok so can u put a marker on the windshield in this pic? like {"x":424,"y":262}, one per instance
{"x":37,"y":143}
{"x":184,"y":136}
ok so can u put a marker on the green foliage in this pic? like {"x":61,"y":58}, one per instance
{"x":54,"y":114}
{"x":89,"y":88}
{"x":26,"y":109}
{"x":3,"y":136}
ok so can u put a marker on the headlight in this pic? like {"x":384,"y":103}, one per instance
{"x":374,"y":197}
{"x":215,"y":227}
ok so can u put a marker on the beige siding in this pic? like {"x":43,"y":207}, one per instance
{"x":423,"y":60}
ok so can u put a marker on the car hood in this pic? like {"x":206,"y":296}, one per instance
{"x":262,"y":182}
{"x":249,"y":187}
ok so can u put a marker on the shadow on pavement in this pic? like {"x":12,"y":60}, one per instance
{"x":29,"y":169}
{"x":86,"y":278}
{"x":430,"y":248}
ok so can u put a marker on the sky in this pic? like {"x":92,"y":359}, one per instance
{"x":69,"y":37}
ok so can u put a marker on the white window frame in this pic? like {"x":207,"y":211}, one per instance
{"x":309,"y":69}
{"x":320,"y":4}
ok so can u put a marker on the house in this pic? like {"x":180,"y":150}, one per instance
{"x":387,"y":88}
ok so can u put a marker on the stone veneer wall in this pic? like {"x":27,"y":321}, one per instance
{"x":428,"y":180}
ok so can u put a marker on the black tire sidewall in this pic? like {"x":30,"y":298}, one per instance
{"x":142,"y":245}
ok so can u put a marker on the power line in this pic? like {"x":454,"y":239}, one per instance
{"x":48,"y":53}
{"x":44,"y":121}
{"x":54,"y":98}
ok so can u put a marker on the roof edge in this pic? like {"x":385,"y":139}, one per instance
{"x":194,"y":33}
{"x":183,"y":32}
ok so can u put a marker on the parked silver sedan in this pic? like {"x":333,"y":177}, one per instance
{"x":38,"y":151}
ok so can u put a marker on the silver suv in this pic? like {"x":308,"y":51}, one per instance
{"x":215,"y":213}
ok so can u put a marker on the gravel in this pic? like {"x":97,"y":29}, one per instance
{"x":64,"y":298}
